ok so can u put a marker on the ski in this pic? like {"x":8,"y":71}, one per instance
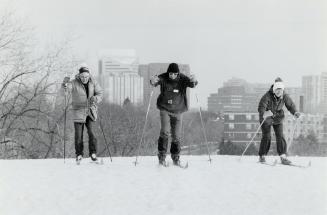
{"x":96,"y":162}
{"x":183,"y":166}
{"x":78,"y":161}
{"x":91,"y":162}
{"x":269,"y":163}
{"x":99,"y":162}
{"x":298,"y":165}
{"x":165,"y":164}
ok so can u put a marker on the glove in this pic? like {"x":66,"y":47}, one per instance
{"x":64,"y":82}
{"x":64,"y":85}
{"x":297,"y":115}
{"x":93,"y":100}
{"x":267,"y":113}
{"x":192,"y":78}
{"x":154,"y":79}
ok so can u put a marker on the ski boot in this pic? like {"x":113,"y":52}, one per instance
{"x":178,"y":163}
{"x":79,"y":159}
{"x":284,"y":160}
{"x":162,"y":160}
{"x":94,"y":157}
{"x":176,"y":160}
{"x":262,"y":159}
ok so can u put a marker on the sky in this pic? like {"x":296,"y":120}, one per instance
{"x":256,"y":40}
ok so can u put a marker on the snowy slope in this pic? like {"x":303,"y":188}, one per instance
{"x":226,"y":186}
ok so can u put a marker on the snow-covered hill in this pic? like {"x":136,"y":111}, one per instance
{"x":226,"y":186}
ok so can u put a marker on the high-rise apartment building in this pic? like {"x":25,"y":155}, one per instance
{"x":315,"y":93}
{"x":237,"y":95}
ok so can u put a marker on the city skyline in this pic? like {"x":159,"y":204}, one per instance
{"x":253,"y":40}
{"x":240,"y":95}
{"x":236,"y":94}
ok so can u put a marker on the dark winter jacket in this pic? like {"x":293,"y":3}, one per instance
{"x":81,"y":100}
{"x":172,"y":96}
{"x":270,"y":102}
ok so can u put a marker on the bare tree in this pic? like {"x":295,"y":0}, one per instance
{"x":30,"y":123}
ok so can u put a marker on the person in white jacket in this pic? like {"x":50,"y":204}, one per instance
{"x":86,"y":94}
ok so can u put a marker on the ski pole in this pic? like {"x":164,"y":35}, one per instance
{"x":105,"y":139}
{"x":188,"y":144}
{"x":65,"y":124}
{"x":182,"y":137}
{"x":67,"y":78}
{"x":203,"y":129}
{"x":292,"y":137}
{"x":255,"y":134}
{"x":146,"y":117}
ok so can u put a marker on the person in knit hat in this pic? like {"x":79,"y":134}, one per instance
{"x":171,"y":102}
{"x":85,"y":94}
{"x":271,"y":112}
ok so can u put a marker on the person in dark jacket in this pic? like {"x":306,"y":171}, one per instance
{"x":271,"y":112}
{"x":171,"y":102}
{"x":86,"y":94}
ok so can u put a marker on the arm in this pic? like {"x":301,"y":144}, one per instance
{"x":262,"y":107}
{"x":67,"y":84}
{"x":191,"y":82}
{"x":97,"y":97}
{"x":155,"y":81}
{"x":289,"y":104}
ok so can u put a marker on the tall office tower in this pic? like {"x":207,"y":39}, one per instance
{"x":118,"y":74}
{"x":296,"y":95}
{"x":323,"y":93}
{"x":310,"y":86}
{"x":213,"y":103}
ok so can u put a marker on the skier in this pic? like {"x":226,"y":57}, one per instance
{"x":171,"y":102}
{"x":86,"y":94}
{"x":271,"y":110}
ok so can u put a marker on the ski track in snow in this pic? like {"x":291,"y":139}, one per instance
{"x":226,"y":186}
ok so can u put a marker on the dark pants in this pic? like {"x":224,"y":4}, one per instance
{"x":79,"y":129}
{"x":266,"y":138}
{"x":173,"y":122}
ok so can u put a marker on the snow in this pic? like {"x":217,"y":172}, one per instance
{"x":226,"y":186}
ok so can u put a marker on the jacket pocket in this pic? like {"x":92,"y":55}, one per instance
{"x":172,"y":98}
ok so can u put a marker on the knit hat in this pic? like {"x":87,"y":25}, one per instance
{"x":279,"y":84}
{"x":84,"y":69}
{"x":278,"y":79}
{"x":173,"y":67}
